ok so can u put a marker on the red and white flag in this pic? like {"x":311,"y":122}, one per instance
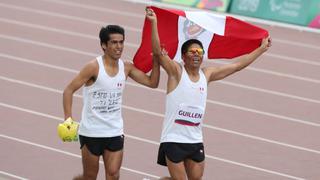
{"x":221,"y":36}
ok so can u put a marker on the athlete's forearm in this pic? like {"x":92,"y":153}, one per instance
{"x":67,"y":102}
{"x":156,"y":48}
{"x":155,"y":73}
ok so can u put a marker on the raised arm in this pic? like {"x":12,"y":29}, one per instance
{"x":217,"y":73}
{"x":82,"y":78}
{"x":165,"y":61}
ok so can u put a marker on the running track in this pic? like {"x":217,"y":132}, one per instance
{"x":261,"y":123}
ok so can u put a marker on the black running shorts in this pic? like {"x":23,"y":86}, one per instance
{"x":177,"y":152}
{"x":97,"y":145}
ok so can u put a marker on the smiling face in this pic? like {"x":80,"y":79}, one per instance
{"x":193,"y":56}
{"x":112,"y":41}
{"x":114,"y":46}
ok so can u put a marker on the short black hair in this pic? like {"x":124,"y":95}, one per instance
{"x":188,"y":43}
{"x":105,"y":32}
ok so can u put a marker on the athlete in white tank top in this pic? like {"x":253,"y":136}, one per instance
{"x":180,"y":149}
{"x":103,"y":79}
{"x":101,"y":114}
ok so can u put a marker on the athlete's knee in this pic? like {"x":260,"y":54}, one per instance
{"x":113,"y":172}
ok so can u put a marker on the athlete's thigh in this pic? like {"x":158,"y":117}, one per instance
{"x":194,"y":169}
{"x":176,"y":170}
{"x":90,"y":162}
{"x":112,"y":160}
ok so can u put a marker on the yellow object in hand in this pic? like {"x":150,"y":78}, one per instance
{"x":68,"y":130}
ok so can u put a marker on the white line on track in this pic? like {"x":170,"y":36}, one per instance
{"x":12,"y":175}
{"x":269,"y":91}
{"x":48,"y":45}
{"x":136,"y":138}
{"x":293,"y":59}
{"x":84,"y":20}
{"x":161,"y":115}
{"x":96,"y":8}
{"x":291,"y":76}
{"x":293,"y":43}
{"x":56,"y":30}
{"x":256,"y":168}
{"x":71,"y":154}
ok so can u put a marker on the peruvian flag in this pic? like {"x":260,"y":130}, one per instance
{"x":221,"y":36}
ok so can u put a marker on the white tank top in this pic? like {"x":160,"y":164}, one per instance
{"x":185,"y":107}
{"x":101,"y":113}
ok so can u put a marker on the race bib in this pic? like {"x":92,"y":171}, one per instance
{"x":106,"y":101}
{"x":189,"y":115}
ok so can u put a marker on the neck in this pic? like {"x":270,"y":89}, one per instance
{"x":193,"y":71}
{"x":110,"y":61}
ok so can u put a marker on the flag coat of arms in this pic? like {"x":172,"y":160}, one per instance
{"x":222,"y":36}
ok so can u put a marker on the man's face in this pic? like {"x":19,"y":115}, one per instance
{"x":114,"y":46}
{"x":194,"y":56}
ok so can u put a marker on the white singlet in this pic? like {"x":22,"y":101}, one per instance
{"x":185,"y":107}
{"x":101,"y":113}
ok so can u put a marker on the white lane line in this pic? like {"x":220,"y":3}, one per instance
{"x":56,"y":30}
{"x":293,"y":59}
{"x":132,"y":84}
{"x":48,"y":45}
{"x":157,"y":143}
{"x":262,"y":139}
{"x":265,"y":113}
{"x":69,"y":17}
{"x":70,"y":154}
{"x":267,"y":91}
{"x":139,"y":31}
{"x":97,"y":8}
{"x":258,"y":169}
{"x":12,"y":175}
{"x":291,"y":76}
{"x":215,"y":102}
{"x":162,"y":115}
{"x":294,"y":43}
{"x":301,"y":78}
